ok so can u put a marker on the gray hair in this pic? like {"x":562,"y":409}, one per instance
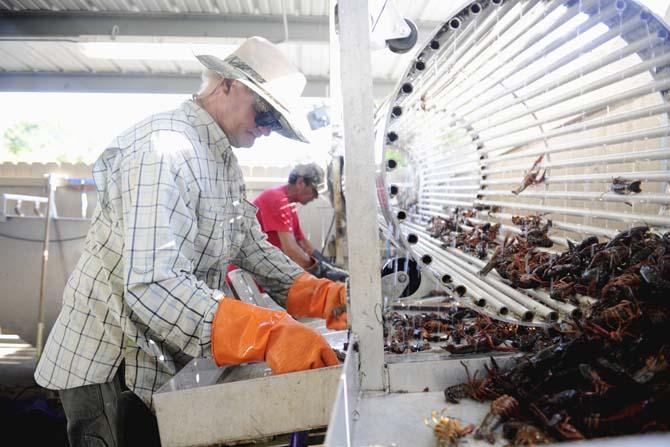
{"x":310,"y":172}
{"x":210,"y":80}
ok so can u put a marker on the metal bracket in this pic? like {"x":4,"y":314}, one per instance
{"x":394,"y":284}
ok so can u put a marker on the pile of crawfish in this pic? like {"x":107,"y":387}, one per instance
{"x":605,"y":374}
{"x":477,"y":240}
{"x":459,"y":330}
{"x":634,"y":262}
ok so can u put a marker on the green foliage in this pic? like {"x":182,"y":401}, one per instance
{"x":18,"y":138}
{"x":396,"y":155}
{"x":45,"y":142}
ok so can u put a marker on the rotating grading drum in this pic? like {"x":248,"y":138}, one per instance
{"x":553,"y":109}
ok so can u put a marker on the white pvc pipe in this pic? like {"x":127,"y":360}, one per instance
{"x":526,"y":42}
{"x":649,"y":219}
{"x":531,"y":58}
{"x":582,"y":195}
{"x":465,"y":262}
{"x":563,"y":130}
{"x":484,"y":48}
{"x":621,"y":157}
{"x":645,"y":176}
{"x":573,"y":55}
{"x":654,"y":132}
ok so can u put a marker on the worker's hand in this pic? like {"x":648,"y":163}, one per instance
{"x":314,"y":297}
{"x":321,"y":268}
{"x":243,"y":332}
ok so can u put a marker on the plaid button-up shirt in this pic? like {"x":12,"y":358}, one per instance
{"x":171,"y":216}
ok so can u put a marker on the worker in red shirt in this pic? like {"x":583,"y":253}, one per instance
{"x":278,"y":218}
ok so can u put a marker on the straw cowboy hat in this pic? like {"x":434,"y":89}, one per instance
{"x":259,"y":65}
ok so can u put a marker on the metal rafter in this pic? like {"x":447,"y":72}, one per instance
{"x":65,"y":25}
{"x":137,"y":83}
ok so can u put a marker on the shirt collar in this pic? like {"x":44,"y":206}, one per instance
{"x":208,"y":130}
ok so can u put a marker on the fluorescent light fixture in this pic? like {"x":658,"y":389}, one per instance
{"x":169,"y":51}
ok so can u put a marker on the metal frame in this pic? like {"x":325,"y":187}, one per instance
{"x":363,"y":416}
{"x":365,"y":314}
{"x":71,"y":25}
{"x":471,"y":148}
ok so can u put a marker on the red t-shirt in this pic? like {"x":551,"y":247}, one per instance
{"x":276,"y":213}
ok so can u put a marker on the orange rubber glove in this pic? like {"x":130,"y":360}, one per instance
{"x":313,"y":297}
{"x":243,"y":332}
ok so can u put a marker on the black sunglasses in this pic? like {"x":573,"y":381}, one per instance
{"x":265,"y":116}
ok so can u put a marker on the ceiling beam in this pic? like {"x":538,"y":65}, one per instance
{"x":137,"y":83}
{"x":60,"y":25}
{"x":39,"y":25}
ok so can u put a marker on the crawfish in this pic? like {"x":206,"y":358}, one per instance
{"x":589,"y":241}
{"x":474,"y":388}
{"x":501,"y":408}
{"x":528,"y":221}
{"x":436,"y":327}
{"x":532,"y":177}
{"x":439,"y":226}
{"x":622,"y":186}
{"x":653,"y":364}
{"x":658,"y":275}
{"x":539,"y":237}
{"x":615,"y":335}
{"x":525,"y":434}
{"x":601,"y":387}
{"x":625,"y":237}
{"x":557,"y":271}
{"x":562,"y":290}
{"x":559,"y":423}
{"x":620,"y":314}
{"x":601,"y":265}
{"x":446,"y":429}
{"x":596,"y":423}
{"x":492,"y":262}
{"x":529,"y":281}
{"x":625,"y":285}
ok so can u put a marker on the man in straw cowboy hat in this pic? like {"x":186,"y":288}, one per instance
{"x":171,"y":215}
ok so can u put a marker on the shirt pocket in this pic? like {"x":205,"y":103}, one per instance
{"x":210,"y":239}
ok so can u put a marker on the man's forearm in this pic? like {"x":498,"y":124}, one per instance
{"x":293,"y":250}
{"x":306,"y":246}
{"x":298,"y":256}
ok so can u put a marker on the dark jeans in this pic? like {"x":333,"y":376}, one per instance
{"x":92,"y":414}
{"x":106,"y":416}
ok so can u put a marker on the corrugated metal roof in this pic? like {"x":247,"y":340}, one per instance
{"x":294,"y":7}
{"x":48,"y":54}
